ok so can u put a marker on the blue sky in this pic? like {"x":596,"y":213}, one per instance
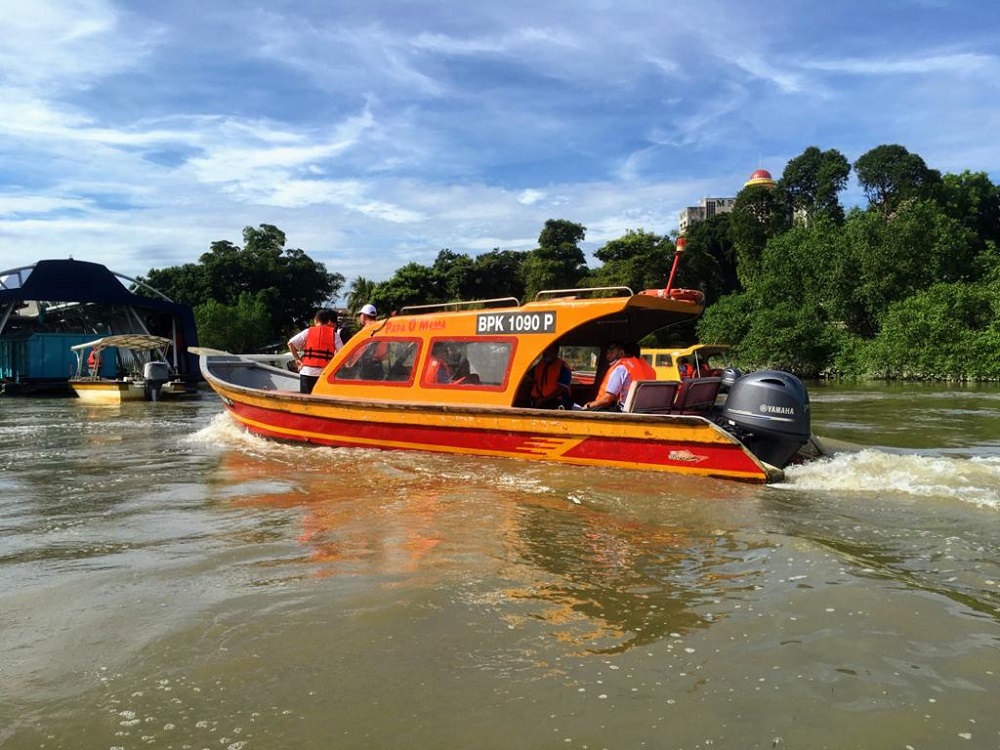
{"x":376,"y":133}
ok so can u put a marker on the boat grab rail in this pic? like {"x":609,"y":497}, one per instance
{"x":588,"y":291}
{"x":439,"y":306}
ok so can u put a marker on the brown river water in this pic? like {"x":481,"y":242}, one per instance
{"x":167,"y":581}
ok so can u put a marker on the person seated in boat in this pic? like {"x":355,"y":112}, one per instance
{"x":686,"y":369}
{"x":94,"y":362}
{"x":313,"y":347}
{"x":705,"y":369}
{"x":641,"y":369}
{"x":622,"y":370}
{"x":438,"y":368}
{"x":551,"y":378}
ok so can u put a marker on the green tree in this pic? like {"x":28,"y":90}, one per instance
{"x":787,"y":336}
{"x":890,"y":174}
{"x":813,"y":180}
{"x":891,"y":258}
{"x":496,"y":274}
{"x":301,"y":284}
{"x":972,"y":199}
{"x":457,"y":273}
{"x":639,"y":260}
{"x":946,"y":332}
{"x":759,"y":213}
{"x":557,"y":262}
{"x":360,"y":293}
{"x":186,"y":284}
{"x":287,"y":280}
{"x":413,"y":284}
{"x":242,"y":327}
{"x":727,"y":321}
{"x":710,"y":264}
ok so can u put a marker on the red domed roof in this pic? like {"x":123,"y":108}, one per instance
{"x":760,"y":177}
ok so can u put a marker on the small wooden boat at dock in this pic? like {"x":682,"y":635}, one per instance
{"x":124,"y":367}
{"x":384,"y":389}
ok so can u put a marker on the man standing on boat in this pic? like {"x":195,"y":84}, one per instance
{"x":313,"y":347}
{"x":622,"y":370}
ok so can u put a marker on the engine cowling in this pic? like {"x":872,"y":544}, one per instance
{"x":769,"y":411}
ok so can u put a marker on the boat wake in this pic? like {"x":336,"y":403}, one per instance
{"x":869,"y":471}
{"x":851,"y":469}
{"x":225,"y":432}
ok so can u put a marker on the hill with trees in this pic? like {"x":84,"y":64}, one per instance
{"x":905,"y":287}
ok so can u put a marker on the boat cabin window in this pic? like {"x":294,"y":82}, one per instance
{"x":379,"y":359}
{"x":662,"y":360}
{"x":468,"y":363}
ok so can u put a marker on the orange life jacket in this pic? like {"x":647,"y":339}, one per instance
{"x":545,"y":378}
{"x":321,"y":345}
{"x":437,"y":371}
{"x":641,"y":369}
{"x":637,"y":368}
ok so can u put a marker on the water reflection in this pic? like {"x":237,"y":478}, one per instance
{"x":600,"y":582}
{"x":607,"y":586}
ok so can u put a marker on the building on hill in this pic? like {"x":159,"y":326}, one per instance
{"x":706,"y":208}
{"x":709,"y":207}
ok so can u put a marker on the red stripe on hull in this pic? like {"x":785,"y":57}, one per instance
{"x":710,"y":459}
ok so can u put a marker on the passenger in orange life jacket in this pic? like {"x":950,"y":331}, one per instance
{"x":686,"y":369}
{"x":438,"y":369}
{"x":313,"y":347}
{"x":622,"y":370}
{"x":94,"y":362}
{"x":550,"y":381}
{"x":642,"y":369}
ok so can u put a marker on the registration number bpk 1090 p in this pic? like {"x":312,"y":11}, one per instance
{"x":535,"y":322}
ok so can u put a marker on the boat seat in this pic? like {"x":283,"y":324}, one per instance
{"x":651,"y":396}
{"x":696,"y":395}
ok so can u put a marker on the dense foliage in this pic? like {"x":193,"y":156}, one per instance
{"x":906,"y":287}
{"x":247,"y":299}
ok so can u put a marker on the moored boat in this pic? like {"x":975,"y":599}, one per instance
{"x":385,"y":389}
{"x":704,"y":359}
{"x":124,"y":367}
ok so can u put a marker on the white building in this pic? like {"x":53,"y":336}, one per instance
{"x":708,"y":207}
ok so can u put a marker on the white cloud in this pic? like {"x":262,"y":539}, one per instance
{"x":136,"y":134}
{"x":920,"y":65}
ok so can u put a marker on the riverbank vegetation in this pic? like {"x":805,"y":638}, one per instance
{"x":906,"y":287}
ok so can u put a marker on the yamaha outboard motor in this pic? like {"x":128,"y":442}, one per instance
{"x":155,"y":374}
{"x":769,"y":412}
{"x":729,"y":376}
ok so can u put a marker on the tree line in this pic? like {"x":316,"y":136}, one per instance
{"x":906,"y":287}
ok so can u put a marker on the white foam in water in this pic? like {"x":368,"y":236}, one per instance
{"x":972,"y":480}
{"x":224,"y":431}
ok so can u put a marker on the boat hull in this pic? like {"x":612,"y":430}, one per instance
{"x":679,"y":444}
{"x":108,"y":391}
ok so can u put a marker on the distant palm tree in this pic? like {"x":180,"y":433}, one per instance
{"x":360,"y":293}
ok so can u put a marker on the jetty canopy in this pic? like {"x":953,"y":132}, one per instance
{"x":49,"y":306}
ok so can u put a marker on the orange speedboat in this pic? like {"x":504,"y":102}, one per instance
{"x":454,"y":378}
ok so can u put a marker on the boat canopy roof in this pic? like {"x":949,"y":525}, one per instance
{"x":487,"y":347}
{"x":133,"y":341}
{"x":76,"y":281}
